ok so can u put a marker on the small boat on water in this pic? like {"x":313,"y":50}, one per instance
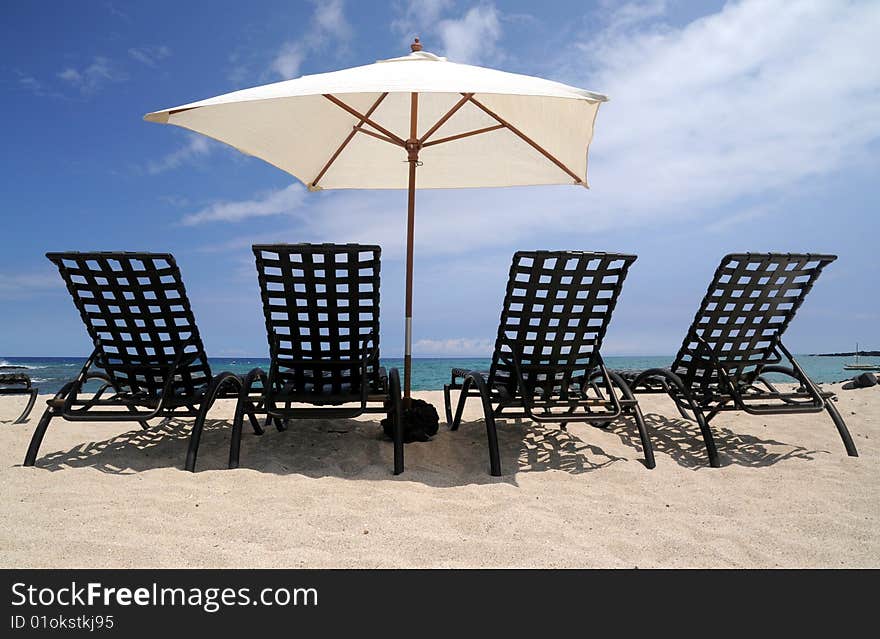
{"x":856,"y":366}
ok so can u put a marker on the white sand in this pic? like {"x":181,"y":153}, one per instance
{"x":322,"y":495}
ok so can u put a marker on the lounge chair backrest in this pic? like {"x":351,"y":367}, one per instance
{"x":749,"y":304}
{"x":556,"y":311}
{"x":136,"y":310}
{"x":321,"y":302}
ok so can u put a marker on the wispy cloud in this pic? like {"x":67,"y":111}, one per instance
{"x":328,"y":24}
{"x":151,"y":55}
{"x":739,"y":109}
{"x":93,"y":76}
{"x":23,"y":285}
{"x":747,"y":214}
{"x":252,"y":63}
{"x":115,"y":11}
{"x":177,"y":201}
{"x":195,"y":148}
{"x":453,"y":347}
{"x":471,"y":38}
{"x":754,"y":100}
{"x":31,"y":84}
{"x":415,"y":16}
{"x":275,"y":202}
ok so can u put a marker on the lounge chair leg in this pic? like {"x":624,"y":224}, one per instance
{"x":643,"y":434}
{"x":143,"y":424}
{"x":707,"y":438}
{"x":255,"y":423}
{"x":397,"y":407}
{"x":193,"y":450}
{"x":247,"y":384}
{"x":235,"y":440}
{"x":494,"y":456}
{"x":488,"y":413}
{"x":678,"y":393}
{"x":842,"y":429}
{"x":207,"y":402}
{"x":462,"y":398}
{"x":447,"y":403}
{"x":27,"y":409}
{"x":636,"y":411}
{"x":37,"y":438}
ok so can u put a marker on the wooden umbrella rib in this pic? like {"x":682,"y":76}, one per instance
{"x":348,"y":138}
{"x":526,"y":139}
{"x":342,"y":105}
{"x":378,"y":136}
{"x":175,"y":111}
{"x":466,"y":135}
{"x":443,"y":120}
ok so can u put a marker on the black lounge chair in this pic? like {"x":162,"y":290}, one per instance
{"x":321,"y":303}
{"x":148,"y":357}
{"x":546,"y":365}
{"x":19,"y":384}
{"x":735,"y":340}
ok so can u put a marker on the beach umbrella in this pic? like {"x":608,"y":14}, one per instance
{"x":413,"y":121}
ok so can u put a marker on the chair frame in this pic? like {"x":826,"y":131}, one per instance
{"x":264,"y":393}
{"x":586,"y":391}
{"x":9,"y":385}
{"x":726,"y":372}
{"x":130,"y":389}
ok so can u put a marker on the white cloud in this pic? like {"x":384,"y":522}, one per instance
{"x":92,"y":77}
{"x":453,"y":347}
{"x":275,"y":202}
{"x":742,"y":106}
{"x":116,"y":11}
{"x":176,"y":201}
{"x":33,"y":85}
{"x":150,"y":56}
{"x":22,"y":285}
{"x":289,"y":58}
{"x":752,"y":101}
{"x":632,"y":14}
{"x":474,"y":37}
{"x":71,"y":75}
{"x":197,"y":146}
{"x":416,"y":16}
{"x":328,"y":25}
{"x":330,"y":18}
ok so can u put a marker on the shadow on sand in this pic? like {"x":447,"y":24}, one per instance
{"x":355,"y":449}
{"x":680,"y":439}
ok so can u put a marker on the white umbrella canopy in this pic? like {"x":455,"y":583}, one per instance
{"x":370,"y":127}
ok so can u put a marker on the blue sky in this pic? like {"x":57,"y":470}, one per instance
{"x":742,"y":126}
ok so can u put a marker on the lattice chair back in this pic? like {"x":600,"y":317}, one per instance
{"x":556,"y":311}
{"x":321,"y":303}
{"x":136,"y":310}
{"x":749,"y":304}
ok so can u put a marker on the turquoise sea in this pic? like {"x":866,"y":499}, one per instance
{"x":50,"y":373}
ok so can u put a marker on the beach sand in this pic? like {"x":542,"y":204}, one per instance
{"x":322,"y":494}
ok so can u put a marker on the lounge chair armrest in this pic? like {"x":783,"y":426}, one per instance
{"x":71,"y":390}
{"x":367,"y":355}
{"x":801,"y":375}
{"x":515,"y":360}
{"x":723,"y":375}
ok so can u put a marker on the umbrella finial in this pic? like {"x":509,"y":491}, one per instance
{"x":416,"y":45}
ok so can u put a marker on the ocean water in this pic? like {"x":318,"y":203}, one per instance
{"x":50,"y":373}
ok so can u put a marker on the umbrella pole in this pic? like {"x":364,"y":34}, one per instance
{"x":410,"y":222}
{"x":412,"y":148}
